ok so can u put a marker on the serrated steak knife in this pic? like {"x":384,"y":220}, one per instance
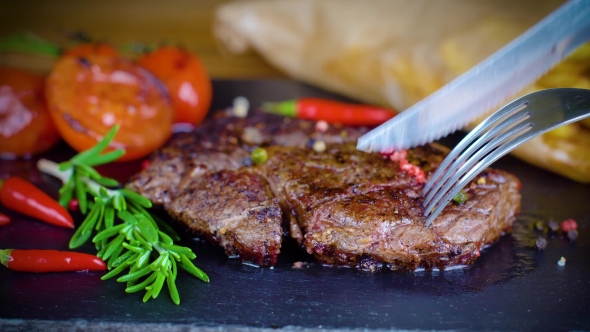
{"x":487,"y":84}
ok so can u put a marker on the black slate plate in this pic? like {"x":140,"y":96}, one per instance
{"x":512,"y":286}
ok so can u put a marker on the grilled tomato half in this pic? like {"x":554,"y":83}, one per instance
{"x":186,"y":79}
{"x":88,"y":95}
{"x":26,"y":127}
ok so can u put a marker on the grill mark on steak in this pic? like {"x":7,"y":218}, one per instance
{"x":343,"y":206}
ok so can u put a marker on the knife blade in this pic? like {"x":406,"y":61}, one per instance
{"x":486,"y":85}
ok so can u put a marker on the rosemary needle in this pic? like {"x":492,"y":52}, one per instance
{"x":128,"y":236}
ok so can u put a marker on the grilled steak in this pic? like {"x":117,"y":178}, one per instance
{"x":344,"y":206}
{"x":203,"y":180}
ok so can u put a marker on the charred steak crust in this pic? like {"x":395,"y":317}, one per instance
{"x":343,"y":206}
{"x":190,"y":178}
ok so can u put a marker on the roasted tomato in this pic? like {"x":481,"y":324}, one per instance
{"x":186,"y":79}
{"x":25,"y":125}
{"x":92,"y":48}
{"x":88,"y":95}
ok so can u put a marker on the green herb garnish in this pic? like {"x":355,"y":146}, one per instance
{"x":128,"y":236}
{"x":461,"y":197}
{"x":28,"y":43}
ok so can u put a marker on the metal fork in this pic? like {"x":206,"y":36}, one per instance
{"x":510,"y":126}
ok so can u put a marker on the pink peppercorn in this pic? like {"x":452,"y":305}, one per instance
{"x":321,"y":126}
{"x":569,"y":225}
{"x":145,"y":164}
{"x":73,"y":204}
{"x":398,"y":156}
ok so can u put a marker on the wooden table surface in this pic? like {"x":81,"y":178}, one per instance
{"x":185,"y":22}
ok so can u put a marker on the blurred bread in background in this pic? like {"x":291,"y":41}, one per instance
{"x":396,"y":52}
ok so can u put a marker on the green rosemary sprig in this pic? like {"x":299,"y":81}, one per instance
{"x":128,"y":236}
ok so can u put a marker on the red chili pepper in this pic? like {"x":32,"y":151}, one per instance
{"x":4,"y":219}
{"x":21,"y":196}
{"x":331,"y":111}
{"x":49,"y":261}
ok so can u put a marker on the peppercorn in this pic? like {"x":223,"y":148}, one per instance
{"x":572,"y":235}
{"x":541,"y":243}
{"x":553,"y":226}
{"x":241,"y":105}
{"x":259,"y":156}
{"x":321,"y":126}
{"x":247,"y":161}
{"x":319,"y":146}
{"x":145,"y":164}
{"x":568,"y":224}
{"x":461,"y":197}
{"x":74,"y":205}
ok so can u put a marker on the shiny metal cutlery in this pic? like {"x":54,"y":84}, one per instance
{"x":487,"y":84}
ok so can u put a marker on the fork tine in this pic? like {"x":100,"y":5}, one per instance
{"x":489,"y":153}
{"x":510,"y":116}
{"x":547,"y":110}
{"x":515,"y":117}
{"x":499,"y":115}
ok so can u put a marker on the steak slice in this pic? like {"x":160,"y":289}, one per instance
{"x":361,"y":210}
{"x":233,"y":209}
{"x":343,"y":206}
{"x":385,"y":227}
